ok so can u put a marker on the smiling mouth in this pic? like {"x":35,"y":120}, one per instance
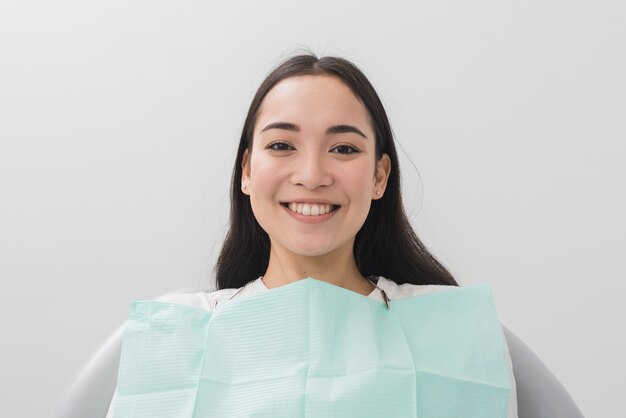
{"x":310,"y":209}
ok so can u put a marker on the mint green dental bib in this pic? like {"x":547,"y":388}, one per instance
{"x":311,"y":349}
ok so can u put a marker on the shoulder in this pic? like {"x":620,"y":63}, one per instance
{"x":209,"y":300}
{"x":202,"y":300}
{"x":399,"y":291}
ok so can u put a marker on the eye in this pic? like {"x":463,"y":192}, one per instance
{"x":345,"y":149}
{"x":279,"y":146}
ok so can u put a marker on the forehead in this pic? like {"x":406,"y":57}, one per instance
{"x":314,"y":100}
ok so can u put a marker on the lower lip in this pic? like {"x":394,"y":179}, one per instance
{"x":314,"y":219}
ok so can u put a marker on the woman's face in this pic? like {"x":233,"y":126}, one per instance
{"x":313,"y":146}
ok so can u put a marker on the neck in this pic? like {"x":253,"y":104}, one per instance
{"x":337,"y":268}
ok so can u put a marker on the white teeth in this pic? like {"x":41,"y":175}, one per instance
{"x":309,"y":209}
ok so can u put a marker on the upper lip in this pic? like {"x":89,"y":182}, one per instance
{"x":317,"y":201}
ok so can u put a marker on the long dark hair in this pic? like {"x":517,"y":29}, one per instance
{"x":386,"y":244}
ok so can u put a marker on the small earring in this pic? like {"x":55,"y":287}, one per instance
{"x":377,"y":191}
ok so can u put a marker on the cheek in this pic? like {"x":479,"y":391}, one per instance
{"x":359,"y":181}
{"x":265,"y":181}
{"x":262,"y":175}
{"x":358,"y":188}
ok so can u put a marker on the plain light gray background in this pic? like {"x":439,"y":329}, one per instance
{"x":119,"y":122}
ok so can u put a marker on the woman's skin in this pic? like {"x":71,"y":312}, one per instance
{"x":306,"y":161}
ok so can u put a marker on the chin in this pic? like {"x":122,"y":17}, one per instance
{"x":311,"y":250}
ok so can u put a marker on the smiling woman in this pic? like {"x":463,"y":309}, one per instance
{"x":319,"y":248}
{"x":317,"y":132}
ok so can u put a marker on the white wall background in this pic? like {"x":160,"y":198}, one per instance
{"x":119,"y":122}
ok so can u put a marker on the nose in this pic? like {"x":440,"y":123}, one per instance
{"x":311,"y":171}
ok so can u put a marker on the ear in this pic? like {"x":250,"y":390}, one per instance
{"x":245,"y":172}
{"x":383,"y":168}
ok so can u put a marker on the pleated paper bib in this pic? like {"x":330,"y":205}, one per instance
{"x":311,"y":349}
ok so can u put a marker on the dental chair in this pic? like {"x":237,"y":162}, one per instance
{"x":539,"y":392}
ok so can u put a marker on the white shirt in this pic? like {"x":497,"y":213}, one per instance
{"x":209,"y":300}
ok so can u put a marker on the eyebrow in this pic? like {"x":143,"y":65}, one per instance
{"x":335,"y":129}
